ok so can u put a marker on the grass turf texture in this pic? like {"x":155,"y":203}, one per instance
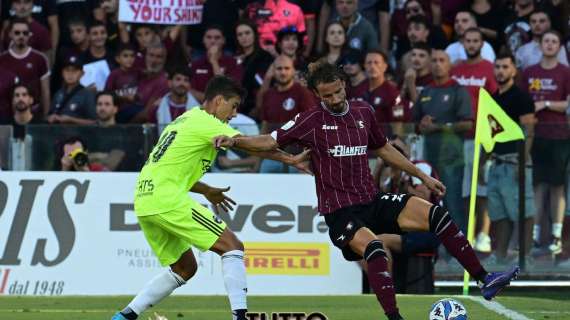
{"x":551,"y":306}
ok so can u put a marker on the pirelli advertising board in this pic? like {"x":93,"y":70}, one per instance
{"x":56,"y":227}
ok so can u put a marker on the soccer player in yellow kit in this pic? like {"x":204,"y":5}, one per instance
{"x":173,"y":222}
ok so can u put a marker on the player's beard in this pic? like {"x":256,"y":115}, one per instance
{"x":503,"y":81}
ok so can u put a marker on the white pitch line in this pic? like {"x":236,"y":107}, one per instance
{"x":497,"y":308}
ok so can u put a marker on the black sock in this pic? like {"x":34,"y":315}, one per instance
{"x":481,"y":275}
{"x":129,"y":314}
{"x":395,"y":316}
{"x":240,"y":314}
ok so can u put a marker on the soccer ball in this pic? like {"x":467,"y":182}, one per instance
{"x":448,"y":309}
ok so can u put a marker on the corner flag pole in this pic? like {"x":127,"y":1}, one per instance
{"x":472,"y":201}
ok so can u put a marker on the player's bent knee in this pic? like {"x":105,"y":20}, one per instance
{"x":374,"y":249}
{"x":185,"y":272}
{"x":439,"y":219}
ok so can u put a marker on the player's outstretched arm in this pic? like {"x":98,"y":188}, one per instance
{"x":397,"y":160}
{"x":247,"y":143}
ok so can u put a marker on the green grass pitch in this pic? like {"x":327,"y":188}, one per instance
{"x":551,"y":306}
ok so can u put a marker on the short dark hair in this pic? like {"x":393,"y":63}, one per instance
{"x":76,"y":21}
{"x":215,"y":27}
{"x":17,"y":20}
{"x":380,"y":52}
{"x":181,"y":70}
{"x":224,"y":86}
{"x":253,"y":27}
{"x":506,"y":55}
{"x":96,"y":23}
{"x":422,"y":46}
{"x":125,"y":47}
{"x":324,"y":73}
{"x":540,"y":10}
{"x":108,"y":93}
{"x":21,"y":85}
{"x":475,"y":30}
{"x":554,"y":32}
{"x":419,"y":19}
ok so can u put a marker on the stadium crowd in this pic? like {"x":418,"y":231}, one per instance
{"x":418,"y":63}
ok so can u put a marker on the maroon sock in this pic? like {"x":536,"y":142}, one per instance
{"x":379,"y":278}
{"x":456,"y":243}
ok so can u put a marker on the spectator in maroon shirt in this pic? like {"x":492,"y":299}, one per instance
{"x":383,"y":95}
{"x":31,"y":66}
{"x":7,"y":82}
{"x":353,"y":65}
{"x":123,"y":81}
{"x":339,"y":134}
{"x":418,"y":75}
{"x":214,"y":63}
{"x":153,"y":84}
{"x":40,"y":35}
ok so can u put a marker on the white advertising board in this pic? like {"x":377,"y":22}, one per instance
{"x":76,"y":234}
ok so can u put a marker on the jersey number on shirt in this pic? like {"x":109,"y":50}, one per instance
{"x":163,"y":144}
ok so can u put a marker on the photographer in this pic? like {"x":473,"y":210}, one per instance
{"x":74,"y":157}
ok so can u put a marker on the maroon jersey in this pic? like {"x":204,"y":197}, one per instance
{"x":40,"y":38}
{"x":30,"y":68}
{"x":7,"y":82}
{"x":279,"y":107}
{"x":152,"y":87}
{"x":358,"y":92}
{"x":422,"y":82}
{"x":383,"y":100}
{"x":548,"y":85}
{"x":339,"y":144}
{"x":123,"y":82}
{"x":202,"y":71}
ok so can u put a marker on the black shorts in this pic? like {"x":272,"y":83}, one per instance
{"x":550,"y":158}
{"x":380,"y":216}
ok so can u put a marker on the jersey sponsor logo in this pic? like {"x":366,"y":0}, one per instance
{"x":287,"y":258}
{"x":289,"y":104}
{"x":538,"y":84}
{"x":206,"y":165}
{"x":348,"y":151}
{"x":201,"y":71}
{"x":29,"y":65}
{"x":327,"y":127}
{"x":377,"y":100}
{"x":288,"y":125}
{"x":361,"y":124}
{"x":471,"y":81}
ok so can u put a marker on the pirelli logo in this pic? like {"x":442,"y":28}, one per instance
{"x":287,"y":258}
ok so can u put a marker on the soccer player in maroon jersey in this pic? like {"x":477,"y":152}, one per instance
{"x":340,"y":134}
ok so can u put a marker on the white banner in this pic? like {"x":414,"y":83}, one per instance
{"x":161,"y":11}
{"x":76,"y":234}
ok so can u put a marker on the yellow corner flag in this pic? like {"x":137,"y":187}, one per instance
{"x":492,"y":125}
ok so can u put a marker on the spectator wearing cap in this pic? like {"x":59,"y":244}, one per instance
{"x":177,"y":101}
{"x":352,"y":64}
{"x":418,"y":75}
{"x":530,"y":53}
{"x":290,"y":43}
{"x":39,"y":34}
{"x":254,"y":61}
{"x":30,"y":65}
{"x":73,"y":103}
{"x":271,"y":17}
{"x":360,"y":33}
{"x":214,"y":63}
{"x":7,"y":82}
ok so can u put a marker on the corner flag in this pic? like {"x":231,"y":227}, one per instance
{"x":492,"y":125}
